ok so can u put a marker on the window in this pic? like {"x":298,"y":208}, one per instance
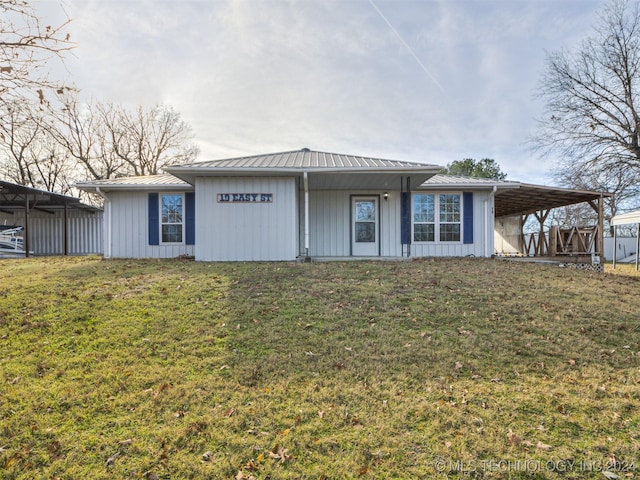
{"x":171,"y":218}
{"x":437,"y":216}
{"x":424,"y":217}
{"x":449,"y":217}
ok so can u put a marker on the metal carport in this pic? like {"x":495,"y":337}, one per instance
{"x":16,"y":198}
{"x":626,"y":219}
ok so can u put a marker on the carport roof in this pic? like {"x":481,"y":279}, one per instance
{"x":15,"y":197}
{"x":529,"y":198}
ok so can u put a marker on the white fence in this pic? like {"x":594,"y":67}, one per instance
{"x":626,"y":247}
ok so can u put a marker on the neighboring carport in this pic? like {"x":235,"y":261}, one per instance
{"x":626,"y":219}
{"x":20,"y":202}
{"x":539,"y":200}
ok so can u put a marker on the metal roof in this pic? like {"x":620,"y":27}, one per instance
{"x":626,"y":218}
{"x":452,"y":181}
{"x":17,"y":197}
{"x":164,"y":180}
{"x":304,"y":159}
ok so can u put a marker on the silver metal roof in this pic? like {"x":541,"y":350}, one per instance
{"x":165,"y":180}
{"x":304,"y":159}
{"x":441,"y":180}
{"x":626,"y":218}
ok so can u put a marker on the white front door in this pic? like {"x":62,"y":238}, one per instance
{"x":365,"y":231}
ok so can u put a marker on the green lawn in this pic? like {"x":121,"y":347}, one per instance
{"x":457,"y":368}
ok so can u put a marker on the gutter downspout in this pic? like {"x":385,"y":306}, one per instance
{"x":305,"y":177}
{"x":486,"y":220}
{"x":107,"y":224}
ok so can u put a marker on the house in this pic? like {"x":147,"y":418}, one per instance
{"x":300,"y":204}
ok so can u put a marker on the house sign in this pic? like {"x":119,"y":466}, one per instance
{"x":245,"y":197}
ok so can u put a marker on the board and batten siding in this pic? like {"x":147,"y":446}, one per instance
{"x":129,"y":212}
{"x":46,"y":231}
{"x":330,"y":222}
{"x":228,"y":231}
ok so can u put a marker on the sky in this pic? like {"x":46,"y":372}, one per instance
{"x":430,"y":81}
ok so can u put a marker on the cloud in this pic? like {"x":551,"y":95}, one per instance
{"x":255,"y":76}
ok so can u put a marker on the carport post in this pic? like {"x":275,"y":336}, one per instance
{"x":66,"y":231}
{"x":637,"y":246}
{"x":615,"y":244}
{"x":26,"y":226}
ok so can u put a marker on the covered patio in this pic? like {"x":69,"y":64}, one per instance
{"x":579,"y":243}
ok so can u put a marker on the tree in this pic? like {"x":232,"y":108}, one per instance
{"x":29,"y":155}
{"x":592,"y":107}
{"x":25,"y":48}
{"x":146,"y":140}
{"x":468,"y":167}
{"x":108,"y":140}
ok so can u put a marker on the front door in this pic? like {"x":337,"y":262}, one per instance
{"x":365,"y":231}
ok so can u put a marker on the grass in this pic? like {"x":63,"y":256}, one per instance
{"x":457,"y":368}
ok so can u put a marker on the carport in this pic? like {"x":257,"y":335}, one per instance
{"x":626,"y":219}
{"x":539,"y":201}
{"x":19,"y":201}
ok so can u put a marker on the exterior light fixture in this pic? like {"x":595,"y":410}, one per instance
{"x":386,"y":196}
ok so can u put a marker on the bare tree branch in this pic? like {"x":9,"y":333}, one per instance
{"x":592,"y":108}
{"x":26,"y":46}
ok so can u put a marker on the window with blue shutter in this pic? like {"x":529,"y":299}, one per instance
{"x":467,"y":219}
{"x":154,"y":219}
{"x":190,"y":218}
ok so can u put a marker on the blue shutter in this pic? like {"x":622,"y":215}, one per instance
{"x":405,"y":218}
{"x":190,"y":218}
{"x":467,"y":211}
{"x":154,"y":219}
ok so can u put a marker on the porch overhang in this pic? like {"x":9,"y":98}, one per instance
{"x":320,"y":178}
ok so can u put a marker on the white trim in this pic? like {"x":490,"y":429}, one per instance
{"x":436,"y":223}
{"x":183,"y":222}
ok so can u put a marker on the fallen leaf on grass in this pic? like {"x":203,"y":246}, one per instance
{"x":206,"y":456}
{"x":229,"y":412}
{"x":543,"y":446}
{"x":279,"y":454}
{"x":513,"y":438}
{"x":14,"y":381}
{"x":161,"y":388}
{"x":112,"y":459}
{"x":243,"y":476}
{"x":363,"y":471}
{"x":458,"y":365}
{"x":128,"y":441}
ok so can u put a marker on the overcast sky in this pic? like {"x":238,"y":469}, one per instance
{"x":429,"y":81}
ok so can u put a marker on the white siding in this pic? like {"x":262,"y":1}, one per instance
{"x":130,"y":229}
{"x":508,"y":235}
{"x":46,"y":231}
{"x":330,"y":223}
{"x":246,"y":231}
